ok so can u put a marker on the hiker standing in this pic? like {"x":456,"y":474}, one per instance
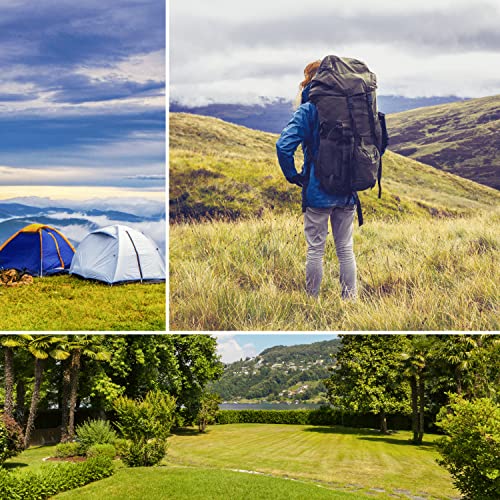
{"x":342,"y":145}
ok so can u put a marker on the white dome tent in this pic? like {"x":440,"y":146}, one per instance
{"x":116,"y":254}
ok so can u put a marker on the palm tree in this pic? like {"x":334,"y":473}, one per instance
{"x":40,"y":347}
{"x":79,"y":346}
{"x":415,"y":359}
{"x":9,"y":342}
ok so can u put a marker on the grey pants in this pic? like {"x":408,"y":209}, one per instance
{"x":316,"y":231}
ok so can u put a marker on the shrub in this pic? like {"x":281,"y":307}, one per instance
{"x":101,"y":450}
{"x":149,"y":418}
{"x":145,"y":454}
{"x":146,"y":423}
{"x":52,"y":479}
{"x":121,"y":446}
{"x":95,"y":432}
{"x":324,"y":415}
{"x":209,"y":408}
{"x":471,"y":449}
{"x":64,"y":450}
{"x":11,"y":438}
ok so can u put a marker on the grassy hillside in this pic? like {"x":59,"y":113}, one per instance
{"x":221,"y":170}
{"x":427,"y":256}
{"x":462,"y":137}
{"x":70,"y":303}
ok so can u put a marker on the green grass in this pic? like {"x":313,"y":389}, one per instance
{"x":338,"y":457}
{"x":31,"y":458}
{"x":413,"y":275}
{"x":203,"y":484}
{"x":292,"y":461}
{"x":69,"y":303}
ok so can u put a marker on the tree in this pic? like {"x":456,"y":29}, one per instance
{"x":181,"y":365}
{"x":471,"y":449}
{"x":209,"y":408}
{"x":77,"y":345}
{"x":40,"y":347}
{"x":9,"y":342}
{"x":368,"y":376}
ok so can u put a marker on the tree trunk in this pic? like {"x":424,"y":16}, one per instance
{"x":383,"y":422}
{"x":20,"y":399}
{"x":421,"y":395}
{"x":414,"y":408}
{"x":9,"y":381}
{"x":458,"y":378}
{"x":35,"y":399}
{"x":74,"y":374}
{"x":65,"y":401}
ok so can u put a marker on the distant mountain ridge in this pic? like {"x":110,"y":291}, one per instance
{"x":272,"y":116}
{"x":75,"y":223}
{"x":462,"y":138}
{"x":280,"y":373}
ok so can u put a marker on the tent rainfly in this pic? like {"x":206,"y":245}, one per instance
{"x":37,"y":249}
{"x":118,"y":253}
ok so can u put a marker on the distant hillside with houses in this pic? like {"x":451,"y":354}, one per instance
{"x":281,"y":373}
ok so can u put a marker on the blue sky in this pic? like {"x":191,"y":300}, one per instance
{"x":82,"y":95}
{"x":233,"y":347}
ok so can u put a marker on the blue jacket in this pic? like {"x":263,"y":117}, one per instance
{"x":303,"y":129}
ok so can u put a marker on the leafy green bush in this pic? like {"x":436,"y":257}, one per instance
{"x":208,"y":410}
{"x":471,"y":449}
{"x":64,"y":450}
{"x":145,"y":453}
{"x":121,"y":446}
{"x":146,"y":423}
{"x":52,"y":479}
{"x":11,"y":438}
{"x":101,"y":450}
{"x":95,"y":432}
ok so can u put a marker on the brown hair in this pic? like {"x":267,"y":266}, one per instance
{"x":309,"y":71}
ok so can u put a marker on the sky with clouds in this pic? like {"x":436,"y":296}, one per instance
{"x":82,"y":96}
{"x":237,"y":52}
{"x":232,"y":347}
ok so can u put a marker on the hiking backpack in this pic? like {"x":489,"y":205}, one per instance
{"x":353,"y":135}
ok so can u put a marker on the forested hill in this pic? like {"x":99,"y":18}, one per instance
{"x":281,"y":373}
{"x":461,"y":138}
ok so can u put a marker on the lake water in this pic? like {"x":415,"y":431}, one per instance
{"x":268,"y":406}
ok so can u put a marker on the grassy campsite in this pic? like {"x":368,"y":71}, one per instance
{"x":67,"y":302}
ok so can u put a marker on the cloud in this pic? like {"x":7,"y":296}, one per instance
{"x":141,"y":206}
{"x":228,"y":54}
{"x":230,"y":350}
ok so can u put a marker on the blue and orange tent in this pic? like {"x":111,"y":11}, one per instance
{"x":37,"y":249}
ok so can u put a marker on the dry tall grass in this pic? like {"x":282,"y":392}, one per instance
{"x":416,"y":274}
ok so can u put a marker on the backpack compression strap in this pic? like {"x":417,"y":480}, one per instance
{"x":359,"y":210}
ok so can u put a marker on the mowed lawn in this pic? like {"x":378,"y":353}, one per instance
{"x":201,"y":484}
{"x":178,"y":482}
{"x":262,"y":461}
{"x":355,"y":459}
{"x":70,"y":303}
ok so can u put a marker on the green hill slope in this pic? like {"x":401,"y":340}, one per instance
{"x":280,"y":373}
{"x":221,"y":170}
{"x":462,"y":137}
